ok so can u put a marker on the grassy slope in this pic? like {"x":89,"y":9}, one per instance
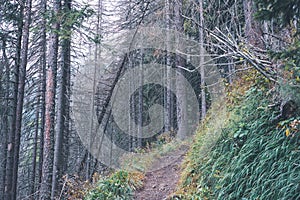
{"x":243,"y":157}
{"x":236,"y":154}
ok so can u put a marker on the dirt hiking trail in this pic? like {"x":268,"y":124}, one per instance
{"x":163,"y":176}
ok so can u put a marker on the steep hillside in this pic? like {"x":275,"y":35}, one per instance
{"x":244,"y":149}
{"x":249,"y":152}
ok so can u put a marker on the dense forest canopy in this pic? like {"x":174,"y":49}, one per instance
{"x":82,"y":83}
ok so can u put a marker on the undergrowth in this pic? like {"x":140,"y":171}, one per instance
{"x":119,"y":186}
{"x":122,"y":184}
{"x":252,"y":158}
{"x":143,"y":159}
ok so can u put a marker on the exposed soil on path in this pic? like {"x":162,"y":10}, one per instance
{"x":162,"y":178}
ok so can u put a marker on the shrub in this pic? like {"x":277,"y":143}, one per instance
{"x":119,"y":186}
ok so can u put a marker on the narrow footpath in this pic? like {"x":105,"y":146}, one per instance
{"x":161,"y":180}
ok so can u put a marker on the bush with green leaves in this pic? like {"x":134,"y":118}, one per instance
{"x":119,"y":186}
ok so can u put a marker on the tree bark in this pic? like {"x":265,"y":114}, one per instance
{"x":202,"y":69}
{"x":43,"y":66}
{"x":180,"y":79}
{"x":4,"y":119}
{"x":252,"y":31}
{"x":11,"y":138}
{"x":35,"y":149}
{"x":140,"y":109}
{"x":20,"y":98}
{"x":168,"y":74}
{"x":62,"y":106}
{"x":47,"y":168}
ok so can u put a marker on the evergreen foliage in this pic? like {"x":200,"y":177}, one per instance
{"x":284,"y":11}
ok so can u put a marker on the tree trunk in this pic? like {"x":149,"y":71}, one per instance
{"x":62,"y":107}
{"x":68,"y":121}
{"x":140,"y":105}
{"x":168,"y":74}
{"x":43,"y":66}
{"x":91,"y":133}
{"x":4,"y":119}
{"x":20,"y":98}
{"x":35,"y":149}
{"x":202,"y":69}
{"x":11,"y":139}
{"x":47,"y":168}
{"x":180,"y":79}
{"x":3,"y":134}
{"x":252,"y":31}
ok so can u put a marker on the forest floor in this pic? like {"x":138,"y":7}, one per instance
{"x":162,"y":178}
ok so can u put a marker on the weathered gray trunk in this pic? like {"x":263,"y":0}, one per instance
{"x":202,"y":69}
{"x":180,"y":79}
{"x":168,"y":73}
{"x":140,"y":106}
{"x":252,"y":30}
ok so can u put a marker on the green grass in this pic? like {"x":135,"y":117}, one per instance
{"x":121,"y":184}
{"x":250,"y":159}
{"x":145,"y":157}
{"x":236,"y":154}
